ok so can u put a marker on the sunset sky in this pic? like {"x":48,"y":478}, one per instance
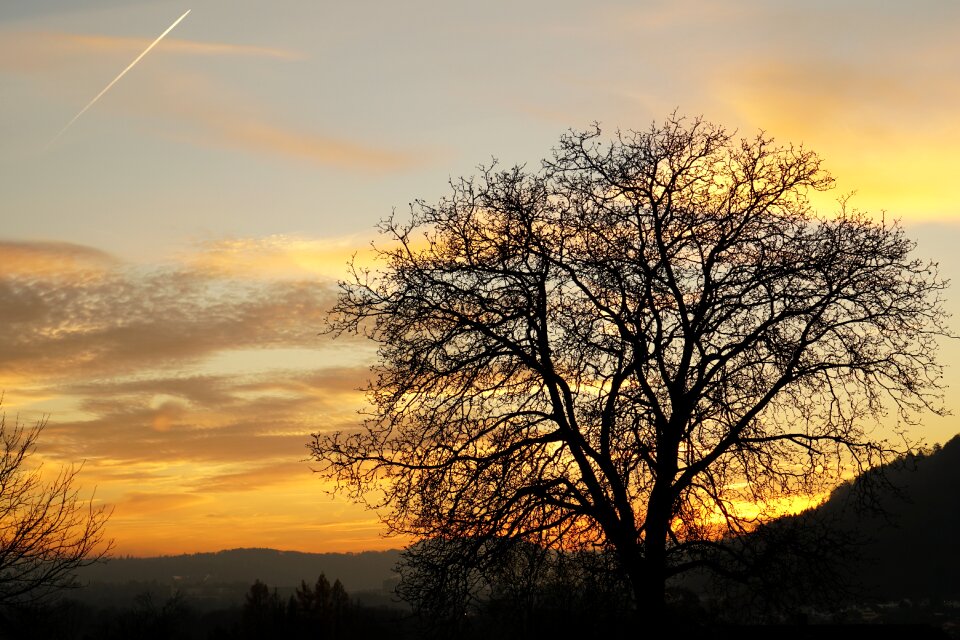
{"x":166,"y":263}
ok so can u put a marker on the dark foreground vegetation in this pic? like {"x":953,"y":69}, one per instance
{"x":550,"y":613}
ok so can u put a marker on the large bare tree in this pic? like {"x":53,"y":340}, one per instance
{"x":648,"y":344}
{"x":47,"y":531}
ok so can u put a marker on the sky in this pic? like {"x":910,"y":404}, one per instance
{"x":167,"y":262}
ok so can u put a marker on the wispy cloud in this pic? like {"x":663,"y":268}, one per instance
{"x":67,"y":308}
{"x":35,"y":259}
{"x":251,"y":479}
{"x":252,"y":417}
{"x":125,"y":348}
{"x":215,"y":117}
{"x":279,"y":256}
{"x":139,"y":503}
{"x":82,"y":42}
{"x":266,"y":138}
{"x":23,"y":51}
{"x":121,"y":321}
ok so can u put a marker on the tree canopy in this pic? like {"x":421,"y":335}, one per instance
{"x":649,"y":343}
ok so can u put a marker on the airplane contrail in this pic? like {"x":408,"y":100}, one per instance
{"x":122,"y":73}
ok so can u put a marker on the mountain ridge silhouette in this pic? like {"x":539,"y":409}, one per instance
{"x":364,"y":570}
{"x":906,"y":530}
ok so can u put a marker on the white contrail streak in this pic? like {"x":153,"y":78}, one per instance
{"x":122,"y":73}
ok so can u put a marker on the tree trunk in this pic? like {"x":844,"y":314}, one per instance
{"x":649,"y":586}
{"x":646,"y":572}
{"x":649,"y":583}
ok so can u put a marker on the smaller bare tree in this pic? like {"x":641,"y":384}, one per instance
{"x":47,"y":531}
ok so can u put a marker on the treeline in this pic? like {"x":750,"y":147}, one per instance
{"x":318,"y":611}
{"x":321,"y":611}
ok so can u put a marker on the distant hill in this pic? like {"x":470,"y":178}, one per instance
{"x":367,"y":570}
{"x":911,"y":544}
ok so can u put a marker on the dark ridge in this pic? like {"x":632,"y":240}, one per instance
{"x":367,"y":570}
{"x":908,"y":530}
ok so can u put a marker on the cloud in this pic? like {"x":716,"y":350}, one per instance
{"x":279,"y":256}
{"x":137,"y":504}
{"x":117,"y":431}
{"x":232,"y":449}
{"x":192,"y":361}
{"x":216,"y":117}
{"x":863,"y":84}
{"x":318,"y":149}
{"x":32,"y":52}
{"x":79,"y":42}
{"x":121,"y":325}
{"x":124,"y":319}
{"x":232,"y":454}
{"x":49,"y":258}
{"x":252,"y":417}
{"x":231,"y":127}
{"x":228,"y":125}
{"x":69,"y":310}
{"x":251,"y":479}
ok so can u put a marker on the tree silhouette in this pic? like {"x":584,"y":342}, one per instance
{"x":46,"y":531}
{"x":263,"y":613}
{"x":649,"y":344}
{"x":321,"y":610}
{"x":339,"y":607}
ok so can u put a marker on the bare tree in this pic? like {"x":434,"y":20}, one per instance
{"x":47,"y":531}
{"x":649,"y":344}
